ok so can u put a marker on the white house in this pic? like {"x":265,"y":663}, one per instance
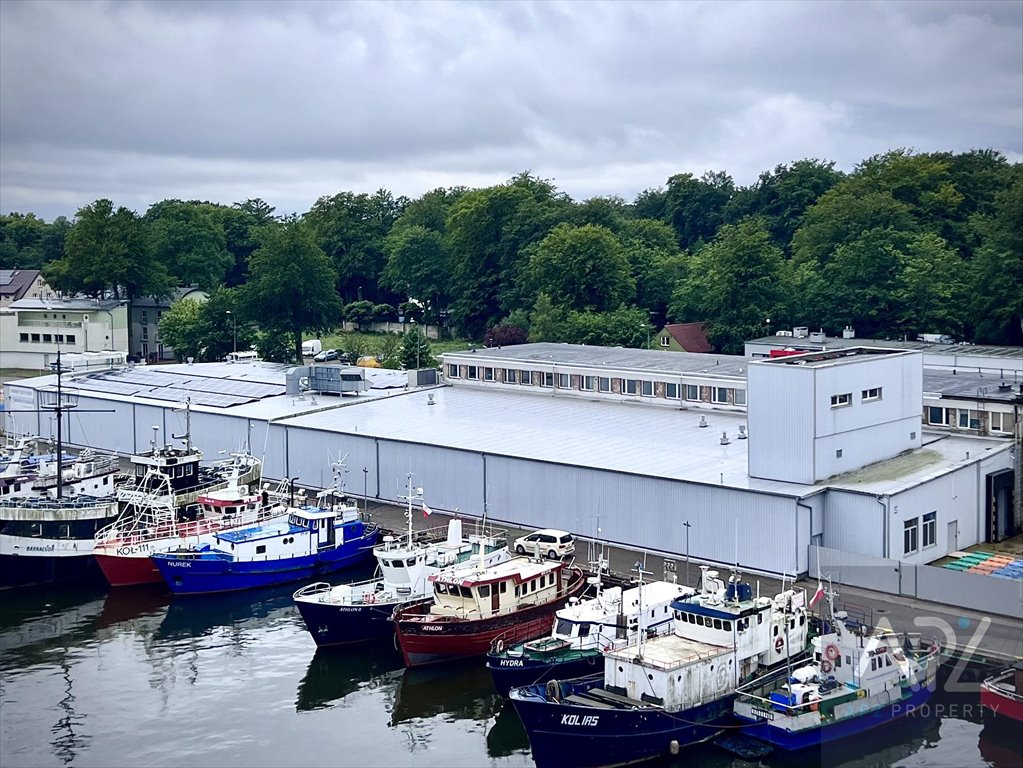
{"x":32,"y":329}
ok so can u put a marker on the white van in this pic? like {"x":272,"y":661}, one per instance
{"x":548,"y":542}
{"x":311,"y":347}
{"x":241,"y":357}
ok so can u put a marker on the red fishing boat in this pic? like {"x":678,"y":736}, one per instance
{"x":470,"y":608}
{"x":1002,"y":695}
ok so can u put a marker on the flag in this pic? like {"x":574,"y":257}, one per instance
{"x":426,"y":510}
{"x":818,"y":595}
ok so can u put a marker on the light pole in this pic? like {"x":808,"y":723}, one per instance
{"x":688,"y":526}
{"x":365,"y":488}
{"x":416,"y":329}
{"x":234,"y":332}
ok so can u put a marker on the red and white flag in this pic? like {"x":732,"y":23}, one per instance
{"x":426,"y":510}
{"x":818,"y":595}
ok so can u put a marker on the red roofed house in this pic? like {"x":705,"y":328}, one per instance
{"x":685,"y":337}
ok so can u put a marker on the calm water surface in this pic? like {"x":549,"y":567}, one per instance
{"x":132,"y":677}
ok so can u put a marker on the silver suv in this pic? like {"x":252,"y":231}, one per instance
{"x":550,"y":542}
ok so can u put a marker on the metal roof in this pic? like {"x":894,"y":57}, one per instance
{"x":611,"y":358}
{"x":973,"y":386}
{"x":76,"y":305}
{"x":931,"y":348}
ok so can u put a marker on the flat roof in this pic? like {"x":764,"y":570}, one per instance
{"x":616,"y":358}
{"x":930,"y":347}
{"x":823,"y":359}
{"x":77,"y":305}
{"x":971,"y":385}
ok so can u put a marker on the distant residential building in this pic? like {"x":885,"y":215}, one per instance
{"x":685,"y":337}
{"x":18,"y":284}
{"x":31,"y":329}
{"x":145,"y":319}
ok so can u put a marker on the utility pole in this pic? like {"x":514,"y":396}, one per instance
{"x":688,"y":526}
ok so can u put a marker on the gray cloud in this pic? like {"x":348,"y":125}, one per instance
{"x":229,"y":100}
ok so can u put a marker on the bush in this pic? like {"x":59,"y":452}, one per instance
{"x":505,"y":336}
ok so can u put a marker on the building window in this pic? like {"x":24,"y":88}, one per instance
{"x":145,"y":317}
{"x":47,"y":338}
{"x":23,"y":337}
{"x":70,"y":338}
{"x":547,"y":379}
{"x":909,"y":536}
{"x":488,"y":374}
{"x":740,"y":396}
{"x":671,"y":391}
{"x":472,"y":372}
{"x":509,"y":376}
{"x":145,"y":333}
{"x":838,"y":453}
{"x":604,"y":384}
{"x":453,"y":371}
{"x":874,"y":393}
{"x":837,"y":401}
{"x":912,"y":435}
{"x":930,"y":531}
{"x":665,"y":341}
{"x":692,"y":392}
{"x":525,"y":377}
{"x":564,"y":381}
{"x":940,"y":416}
{"x":35,"y":337}
{"x":1000,"y":422}
{"x":648,"y":389}
{"x":59,"y":338}
{"x":588,"y":383}
{"x":969,"y":419}
{"x":631,"y":387}
{"x":719,"y":395}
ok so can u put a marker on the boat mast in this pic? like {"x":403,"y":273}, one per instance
{"x":60,"y":442}
{"x":188,"y":426}
{"x":639,"y":624}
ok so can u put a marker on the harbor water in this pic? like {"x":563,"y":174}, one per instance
{"x":90,"y":677}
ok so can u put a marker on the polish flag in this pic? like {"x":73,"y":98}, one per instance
{"x":426,"y":510}
{"x":818,"y":595}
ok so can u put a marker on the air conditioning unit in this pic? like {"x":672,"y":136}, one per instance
{"x":801,"y":331}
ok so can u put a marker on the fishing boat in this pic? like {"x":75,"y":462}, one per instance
{"x":658,"y":695}
{"x":313,"y":539}
{"x":1001,"y":696}
{"x":582,"y":631}
{"x":362,"y":611}
{"x":50,"y":511}
{"x":174,"y":500}
{"x":857,"y":679}
{"x":471,"y":607}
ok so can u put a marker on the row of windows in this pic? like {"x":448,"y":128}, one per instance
{"x":966,"y":418}
{"x":603,"y":384}
{"x":46,"y":338}
{"x":866,"y":396}
{"x":911,"y":530}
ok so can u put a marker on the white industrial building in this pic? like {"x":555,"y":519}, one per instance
{"x":595,"y":463}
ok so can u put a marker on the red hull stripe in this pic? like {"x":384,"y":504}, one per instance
{"x":1001,"y":705}
{"x":128,"y":571}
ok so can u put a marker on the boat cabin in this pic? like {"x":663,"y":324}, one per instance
{"x":504,"y":588}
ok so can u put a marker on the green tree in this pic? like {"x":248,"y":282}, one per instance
{"x":359,"y":312}
{"x":695,"y":207}
{"x":188,"y":239}
{"x":733,"y":284}
{"x":291,"y":284}
{"x":106,"y":251}
{"x":582,"y":268}
{"x":546,"y":321}
{"x":624,"y":327}
{"x":996,"y":274}
{"x":650,"y":204}
{"x":415,"y":350}
{"x":183,"y":327}
{"x":929,"y":289}
{"x":417,"y":265}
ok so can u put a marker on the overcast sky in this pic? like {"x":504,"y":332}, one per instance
{"x":224,"y":101}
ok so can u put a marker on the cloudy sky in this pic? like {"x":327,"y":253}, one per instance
{"x":224,"y":101}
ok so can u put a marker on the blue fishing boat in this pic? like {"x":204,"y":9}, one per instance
{"x":361,"y":611}
{"x":582,"y":631}
{"x":659,"y":695}
{"x":313,"y":540}
{"x":857,"y":679}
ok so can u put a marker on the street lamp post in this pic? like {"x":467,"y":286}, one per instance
{"x":234,"y":332}
{"x":688,"y":526}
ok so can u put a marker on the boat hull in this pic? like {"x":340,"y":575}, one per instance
{"x":564,"y":734}
{"x":128,"y":571}
{"x":204,"y":576}
{"x":27,"y":570}
{"x":332,"y":624}
{"x":1001,"y":707}
{"x":515,"y":672}
{"x":792,"y":741}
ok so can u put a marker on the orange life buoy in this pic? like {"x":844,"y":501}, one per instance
{"x":778,"y":645}
{"x":825,"y":666}
{"x":831,"y":651}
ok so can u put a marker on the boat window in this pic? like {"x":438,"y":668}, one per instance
{"x":504,"y":586}
{"x":873,"y":664}
{"x":564,"y":627}
{"x":35,"y":529}
{"x":727,"y":626}
{"x":848,"y":659}
{"x":775,"y":630}
{"x":65,"y":531}
{"x":792,"y":623}
{"x":516,"y":590}
{"x":760,"y":618}
{"x":584,"y":630}
{"x":260,"y":549}
{"x":887,"y":661}
{"x":532,"y":585}
{"x":410,"y":561}
{"x":838,"y":662}
{"x":802,"y":619}
{"x":485,"y":590}
{"x":717,"y":623}
{"x":230,"y":510}
{"x":440,"y":589}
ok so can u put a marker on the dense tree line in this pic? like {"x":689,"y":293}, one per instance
{"x":906,"y":243}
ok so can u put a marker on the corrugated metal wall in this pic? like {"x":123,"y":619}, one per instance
{"x":855,"y":522}
{"x":780,"y":415}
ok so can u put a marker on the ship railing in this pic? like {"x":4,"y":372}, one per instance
{"x":319,"y":588}
{"x":521,"y":633}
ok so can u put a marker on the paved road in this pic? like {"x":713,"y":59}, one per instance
{"x":992,"y":634}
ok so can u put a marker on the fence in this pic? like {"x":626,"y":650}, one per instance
{"x":925,"y":582}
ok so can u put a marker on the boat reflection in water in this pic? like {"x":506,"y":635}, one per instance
{"x":34,"y":621}
{"x":334,"y":673}
{"x":507,"y":736}
{"x":460,"y":691}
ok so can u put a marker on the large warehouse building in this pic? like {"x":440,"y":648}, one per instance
{"x":701,"y":475}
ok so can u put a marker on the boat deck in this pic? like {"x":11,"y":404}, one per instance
{"x":669,"y":651}
{"x":282,"y":528}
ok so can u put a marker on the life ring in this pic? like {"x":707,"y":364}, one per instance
{"x":831,"y":651}
{"x":499,"y":646}
{"x":778,"y":645}
{"x":369,"y":597}
{"x":553,"y":689}
{"x":825,"y":666}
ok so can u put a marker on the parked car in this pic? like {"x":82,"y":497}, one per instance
{"x":311,"y":347}
{"x":326,"y":356}
{"x":551,"y":542}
